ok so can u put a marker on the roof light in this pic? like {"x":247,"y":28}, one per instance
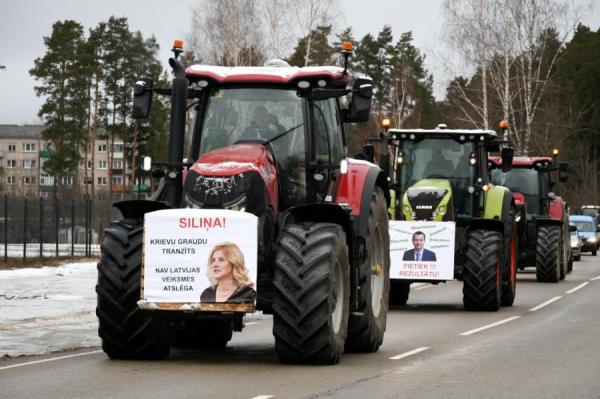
{"x":403,"y":136}
{"x":472,"y":159}
{"x":321,"y":83}
{"x":347,"y":46}
{"x":471,"y":137}
{"x":462,"y":137}
{"x":203,"y":83}
{"x":485,"y":187}
{"x":344,"y":166}
{"x":412,"y":137}
{"x":471,"y":189}
{"x":385,"y":123}
{"x":555,"y":152}
{"x":178,"y":44}
{"x":303,"y":84}
{"x":504,"y":124}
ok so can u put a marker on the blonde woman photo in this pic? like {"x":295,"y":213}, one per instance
{"x":228,"y":277}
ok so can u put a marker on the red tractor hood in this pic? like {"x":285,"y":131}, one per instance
{"x":237,"y":159}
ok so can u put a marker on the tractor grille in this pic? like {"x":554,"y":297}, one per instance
{"x":245,"y":189}
{"x":425,"y":200}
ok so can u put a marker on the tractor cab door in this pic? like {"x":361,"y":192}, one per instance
{"x":327,"y":150}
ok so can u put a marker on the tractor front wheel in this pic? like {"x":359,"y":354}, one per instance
{"x":399,"y":292}
{"x":483,"y":270}
{"x":548,"y":254}
{"x":509,"y":283}
{"x":127,"y":332}
{"x":312,"y":293}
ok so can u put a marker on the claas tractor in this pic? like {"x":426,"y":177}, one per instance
{"x":267,"y":143}
{"x":542,"y":215}
{"x":448,"y":221}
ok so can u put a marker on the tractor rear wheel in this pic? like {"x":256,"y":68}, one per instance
{"x":399,"y":292}
{"x":548,"y":254}
{"x":483,"y":270}
{"x":312,"y":293}
{"x":366,"y":328}
{"x":127,"y":332}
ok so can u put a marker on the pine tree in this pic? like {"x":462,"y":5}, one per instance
{"x":64,"y":111}
{"x":321,"y":52}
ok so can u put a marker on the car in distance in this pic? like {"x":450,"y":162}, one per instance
{"x":588,"y":231}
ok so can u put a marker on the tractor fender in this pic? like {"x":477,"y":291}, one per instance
{"x":375,"y":178}
{"x":136,"y":209}
{"x":358,"y":184}
{"x":496,"y":201}
{"x":497,"y":211}
{"x":548,"y":221}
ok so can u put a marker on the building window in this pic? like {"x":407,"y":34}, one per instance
{"x":67,"y":180}
{"x":46,"y":180}
{"x":101,"y":196}
{"x":102,"y":165}
{"x":101,"y":147}
{"x":102,"y":181}
{"x":117,"y":164}
{"x":89,"y":164}
{"x":47,"y":146}
{"x":12,"y":147}
{"x":29,"y":164}
{"x":85,"y":181}
{"x":28,"y":147}
{"x":11,"y":180}
{"x":118,"y":196}
{"x":11,"y":163}
{"x":117,"y":180}
{"x":117,"y":147}
{"x":28,"y":180}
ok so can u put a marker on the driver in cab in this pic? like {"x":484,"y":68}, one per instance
{"x":263,"y":125}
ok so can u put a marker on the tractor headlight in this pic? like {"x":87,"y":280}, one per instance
{"x":592,"y":240}
{"x":574,"y":243}
{"x":442,"y":210}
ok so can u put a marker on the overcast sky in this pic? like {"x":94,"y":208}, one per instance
{"x":24,"y":23}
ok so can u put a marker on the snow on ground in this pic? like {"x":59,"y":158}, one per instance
{"x":48,"y":309}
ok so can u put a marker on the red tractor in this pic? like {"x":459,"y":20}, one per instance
{"x":268,"y":141}
{"x":542,"y":216}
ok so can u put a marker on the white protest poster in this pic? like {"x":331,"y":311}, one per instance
{"x":421,"y":250}
{"x":199,"y":256}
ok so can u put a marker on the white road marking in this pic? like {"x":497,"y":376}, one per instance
{"x":251,"y":323}
{"x":578,"y":287}
{"x":263,"y":397}
{"x":595,"y":278}
{"x":410,"y":353}
{"x":49,"y":360}
{"x":423,"y":287}
{"x":490,"y":326}
{"x":548,"y":302}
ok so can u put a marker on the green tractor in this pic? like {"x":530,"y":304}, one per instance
{"x":442,"y":199}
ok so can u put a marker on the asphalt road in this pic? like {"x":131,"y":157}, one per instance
{"x":546,"y":346}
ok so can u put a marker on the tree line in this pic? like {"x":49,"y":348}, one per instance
{"x":524,"y":66}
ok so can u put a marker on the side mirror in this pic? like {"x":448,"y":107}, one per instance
{"x":142,"y":98}
{"x":507,"y":158}
{"x":563,"y":172}
{"x":360,"y":106}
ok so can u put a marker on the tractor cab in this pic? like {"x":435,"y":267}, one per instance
{"x":441,"y":173}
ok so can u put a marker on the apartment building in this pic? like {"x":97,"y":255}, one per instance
{"x":23,"y":153}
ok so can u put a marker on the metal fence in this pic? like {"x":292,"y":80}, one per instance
{"x":44,"y":227}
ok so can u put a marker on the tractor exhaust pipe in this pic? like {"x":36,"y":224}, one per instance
{"x":177,"y":127}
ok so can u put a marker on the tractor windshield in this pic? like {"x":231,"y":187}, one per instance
{"x":263,"y":114}
{"x":234,"y":114}
{"x":433,"y":158}
{"x":524,"y":181}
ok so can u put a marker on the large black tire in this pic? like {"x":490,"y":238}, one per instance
{"x":577,"y":258}
{"x":594,"y":252}
{"x":312,"y":293}
{"x":509,"y":275}
{"x":548,"y":254}
{"x":367,"y":327}
{"x":127,"y":332}
{"x":203,"y":334}
{"x":483,"y":270}
{"x":399,"y":292}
